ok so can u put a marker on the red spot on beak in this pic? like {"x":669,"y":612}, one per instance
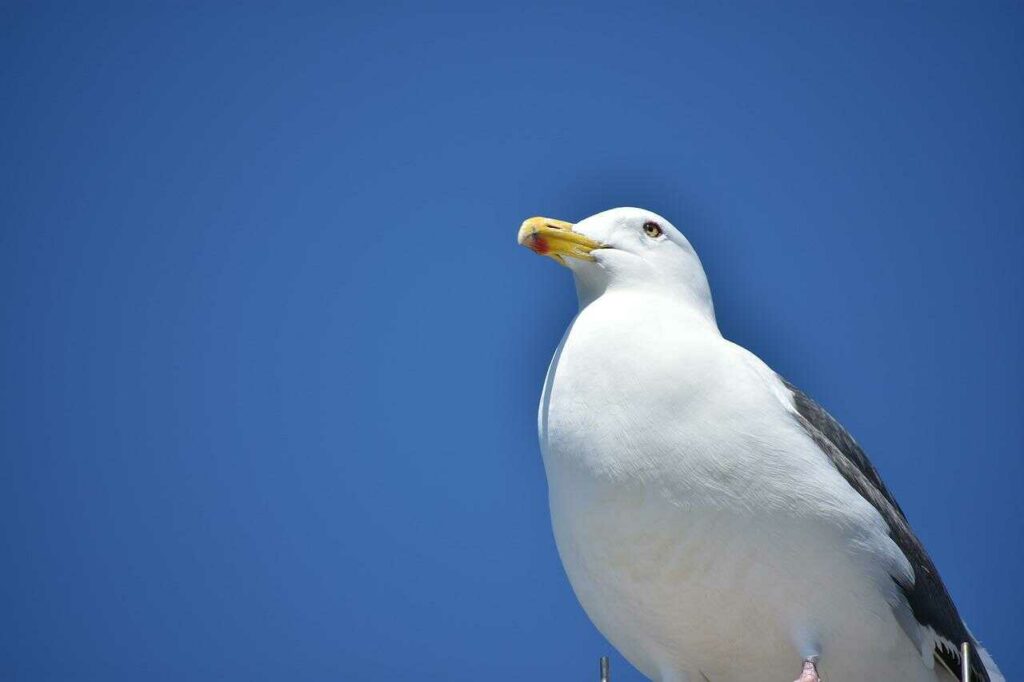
{"x":538,"y":244}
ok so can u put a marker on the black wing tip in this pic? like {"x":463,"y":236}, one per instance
{"x":953,"y":660}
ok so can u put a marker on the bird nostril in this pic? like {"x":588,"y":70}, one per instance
{"x":553,"y":227}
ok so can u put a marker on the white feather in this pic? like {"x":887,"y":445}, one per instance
{"x":702,"y":530}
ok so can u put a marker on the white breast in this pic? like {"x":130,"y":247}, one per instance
{"x":702,"y":531}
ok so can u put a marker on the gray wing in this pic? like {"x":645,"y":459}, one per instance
{"x":927,"y":596}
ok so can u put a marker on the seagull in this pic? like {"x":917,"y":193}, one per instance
{"x":717,"y":524}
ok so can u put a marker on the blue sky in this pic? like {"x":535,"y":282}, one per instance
{"x":271,"y":356}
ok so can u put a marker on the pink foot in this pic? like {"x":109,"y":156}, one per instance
{"x":810,"y":673}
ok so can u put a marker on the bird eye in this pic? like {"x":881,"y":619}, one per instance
{"x":652,"y":230}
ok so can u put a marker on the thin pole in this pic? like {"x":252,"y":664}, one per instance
{"x":605,"y":675}
{"x":965,"y":662}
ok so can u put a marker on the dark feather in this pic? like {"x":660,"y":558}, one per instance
{"x":927,"y":596}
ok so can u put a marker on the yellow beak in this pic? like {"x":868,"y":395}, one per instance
{"x":555,"y":239}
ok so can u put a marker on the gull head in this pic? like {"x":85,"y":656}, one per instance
{"x":623,"y":249}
